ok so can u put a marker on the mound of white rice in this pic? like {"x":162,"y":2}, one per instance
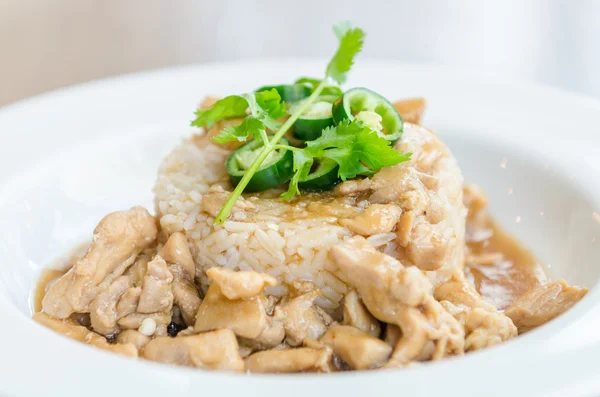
{"x":280,"y":239}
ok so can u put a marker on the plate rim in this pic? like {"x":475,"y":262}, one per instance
{"x":191,"y":377}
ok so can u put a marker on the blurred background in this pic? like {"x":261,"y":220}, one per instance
{"x":50,"y":44}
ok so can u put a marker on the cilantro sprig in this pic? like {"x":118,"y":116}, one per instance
{"x":265,"y":108}
{"x":356,"y":148}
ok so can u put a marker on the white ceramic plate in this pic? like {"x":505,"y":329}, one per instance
{"x":72,"y":156}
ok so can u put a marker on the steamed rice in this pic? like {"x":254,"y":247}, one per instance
{"x":274,"y":241}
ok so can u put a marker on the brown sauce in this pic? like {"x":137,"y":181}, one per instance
{"x":44,"y":283}
{"x":502,"y":269}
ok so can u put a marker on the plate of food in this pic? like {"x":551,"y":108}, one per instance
{"x":242,"y":228}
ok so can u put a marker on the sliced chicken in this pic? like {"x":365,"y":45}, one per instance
{"x":239,"y":284}
{"x":118,"y":239}
{"x":176,"y":254}
{"x":428,"y":189}
{"x":376,"y":219}
{"x":177,"y":251}
{"x":459,"y":291}
{"x":156,"y":289}
{"x":185,"y":294}
{"x":103,"y":310}
{"x":543,"y":303}
{"x":130,"y":336}
{"x":411,"y":109}
{"x":484,"y":325}
{"x":357,"y":348}
{"x":246,"y":317}
{"x":210,"y":350}
{"x":357,"y":315}
{"x":303,"y":359}
{"x":134,"y":320}
{"x":483,"y":328}
{"x":128,"y":302}
{"x":137,"y":271}
{"x":475,"y":200}
{"x":392,"y":334}
{"x":80,"y":333}
{"x":400,"y":296}
{"x":272,"y":336}
{"x":300,"y":318}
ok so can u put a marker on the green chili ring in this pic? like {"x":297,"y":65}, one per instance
{"x":309,"y":126}
{"x":362,"y":99}
{"x":272,"y":173}
{"x":324,"y":177}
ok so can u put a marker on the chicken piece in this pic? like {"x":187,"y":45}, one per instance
{"x":103,"y":309}
{"x":185,"y":294}
{"x":156,"y":290}
{"x":392,"y":334}
{"x":137,"y":271}
{"x":543,"y":304}
{"x":118,"y":239}
{"x":177,"y":251}
{"x":460,"y":291}
{"x":303,"y":359}
{"x":239,"y":284}
{"x":428,"y":189}
{"x":215,"y":199}
{"x":300,"y":318}
{"x":357,"y":315}
{"x":272,"y":336}
{"x":475,"y":199}
{"x":411,"y":109}
{"x":130,"y":336}
{"x":80,"y":333}
{"x":483,"y":325}
{"x":483,"y":328}
{"x":211,"y":350}
{"x":134,"y":320}
{"x":272,"y":301}
{"x":357,"y":348}
{"x":377,"y":218}
{"x":247,"y":317}
{"x":353,"y":187}
{"x":401,"y":296}
{"x":128,"y":302}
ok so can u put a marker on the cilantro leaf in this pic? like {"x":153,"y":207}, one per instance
{"x":351,"y":42}
{"x":250,"y":127}
{"x":357,"y":149}
{"x":270,"y":102}
{"x":265,"y":107}
{"x":302,"y":165}
{"x":228,"y":107}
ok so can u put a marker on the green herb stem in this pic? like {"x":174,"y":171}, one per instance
{"x":267,"y":149}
